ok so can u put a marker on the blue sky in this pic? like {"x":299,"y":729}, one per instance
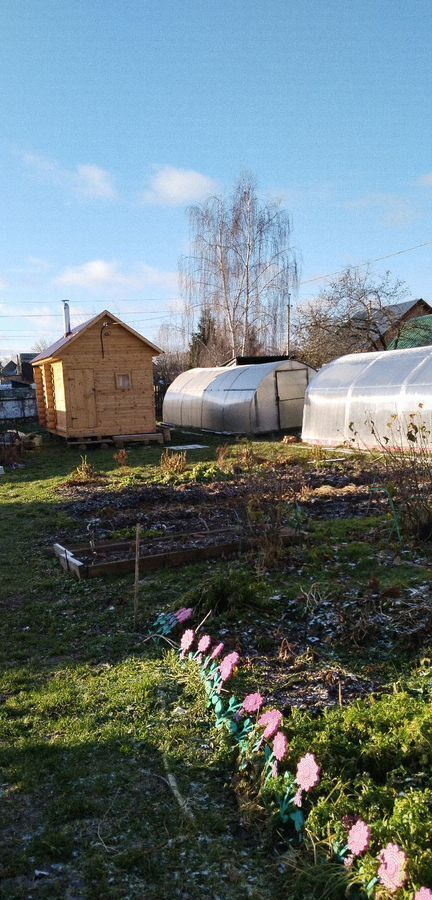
{"x":117,"y":115}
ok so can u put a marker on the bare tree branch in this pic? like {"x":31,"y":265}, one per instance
{"x":355,"y":313}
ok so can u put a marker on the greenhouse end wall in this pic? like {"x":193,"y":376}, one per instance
{"x":364,"y":399}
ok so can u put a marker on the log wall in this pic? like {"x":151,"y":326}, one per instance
{"x":59,"y":396}
{"x":40,"y":394}
{"x":51,"y":418}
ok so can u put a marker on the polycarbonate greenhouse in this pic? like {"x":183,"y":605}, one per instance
{"x":243,"y":399}
{"x":352,"y":392}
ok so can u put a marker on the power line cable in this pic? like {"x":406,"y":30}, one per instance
{"x":114,"y":301}
{"x":307,"y":281}
{"x":156,"y":315}
{"x":129,"y":312}
{"x":366,"y":263}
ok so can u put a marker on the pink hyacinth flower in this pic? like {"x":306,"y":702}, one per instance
{"x":183,"y":615}
{"x":348,"y":861}
{"x":229,"y":665}
{"x":393,"y":869}
{"x":308,"y":772}
{"x":217,"y":651}
{"x":280,"y":746}
{"x":186,"y":642}
{"x":253,"y":702}
{"x":204,"y":643}
{"x":423,"y":894}
{"x":298,"y":797}
{"x":272,"y":720}
{"x":359,"y":838}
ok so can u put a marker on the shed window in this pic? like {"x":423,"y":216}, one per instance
{"x":123,"y":381}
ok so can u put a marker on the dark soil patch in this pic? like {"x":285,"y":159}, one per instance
{"x":186,"y":507}
{"x":357,"y":504}
{"x":183,"y":508}
{"x":156,"y":546}
{"x":294,"y":674}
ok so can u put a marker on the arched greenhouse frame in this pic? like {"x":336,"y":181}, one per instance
{"x":240,"y":399}
{"x":370,"y":399}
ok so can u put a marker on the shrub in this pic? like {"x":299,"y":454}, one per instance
{"x":173,"y":463}
{"x":225,"y":593}
{"x":84,"y":473}
{"x":406,"y":453}
{"x":247,"y":457}
{"x":222,"y":457}
{"x":121,"y":457}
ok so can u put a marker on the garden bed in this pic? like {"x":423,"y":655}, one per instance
{"x":117,"y":557}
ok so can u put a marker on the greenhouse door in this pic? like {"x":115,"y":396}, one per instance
{"x":290,"y":390}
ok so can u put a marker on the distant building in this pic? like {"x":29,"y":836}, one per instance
{"x":391,"y":320}
{"x":413,"y":333}
{"x":19,"y":371}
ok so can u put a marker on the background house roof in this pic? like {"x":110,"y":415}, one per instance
{"x":26,"y":357}
{"x":378,"y":323}
{"x":397,"y":310}
{"x":21,"y":368}
{"x":415,"y":333}
{"x":10,"y":368}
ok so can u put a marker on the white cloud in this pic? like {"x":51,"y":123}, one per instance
{"x":100,"y":273}
{"x":95,"y":273}
{"x":425,"y":180}
{"x":89,"y":181}
{"x":394,"y":211}
{"x":175,"y":187}
{"x":94,"y":182}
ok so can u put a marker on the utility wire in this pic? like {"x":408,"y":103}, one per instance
{"x":366,"y":263}
{"x":94,"y":301}
{"x":301,"y":283}
{"x":48,"y":315}
{"x":154,"y":316}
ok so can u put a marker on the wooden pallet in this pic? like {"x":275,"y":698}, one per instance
{"x":119,"y":440}
{"x":84,"y":442}
{"x":154,"y":437}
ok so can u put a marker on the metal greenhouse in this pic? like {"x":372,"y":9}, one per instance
{"x":241,"y":399}
{"x":362,"y":393}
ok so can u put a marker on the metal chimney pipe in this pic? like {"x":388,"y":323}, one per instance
{"x":66,"y":318}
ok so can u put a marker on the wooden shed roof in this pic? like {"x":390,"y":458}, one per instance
{"x":57,"y":347}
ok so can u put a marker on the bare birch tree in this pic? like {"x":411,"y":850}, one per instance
{"x":241,"y":270}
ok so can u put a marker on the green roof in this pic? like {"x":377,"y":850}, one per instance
{"x":415,"y":333}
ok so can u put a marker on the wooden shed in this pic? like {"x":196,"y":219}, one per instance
{"x":96,"y":382}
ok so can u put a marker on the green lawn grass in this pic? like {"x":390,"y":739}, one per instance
{"x":91,"y":715}
{"x":88,"y":714}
